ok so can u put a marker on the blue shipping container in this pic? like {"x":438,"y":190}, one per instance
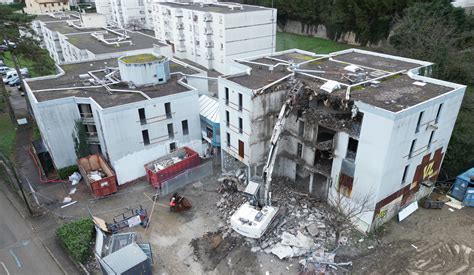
{"x":463,"y":188}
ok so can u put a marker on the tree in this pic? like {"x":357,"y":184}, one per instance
{"x":80,"y":140}
{"x":134,"y":25}
{"x":342,"y":211}
{"x":436,"y":32}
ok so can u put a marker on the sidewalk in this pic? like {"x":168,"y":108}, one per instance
{"x":46,"y":193}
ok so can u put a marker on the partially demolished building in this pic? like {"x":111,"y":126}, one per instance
{"x":133,"y":110}
{"x":369,"y":126}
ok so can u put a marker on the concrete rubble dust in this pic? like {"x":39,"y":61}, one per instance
{"x":300,"y":231}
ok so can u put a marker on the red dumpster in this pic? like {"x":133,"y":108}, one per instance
{"x":98,"y":175}
{"x":167,"y":167}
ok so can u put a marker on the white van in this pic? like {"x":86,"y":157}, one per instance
{"x":13,"y":74}
{"x":4,"y":69}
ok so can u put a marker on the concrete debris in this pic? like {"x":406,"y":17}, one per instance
{"x":319,"y":262}
{"x":75,"y":178}
{"x":298,"y":231}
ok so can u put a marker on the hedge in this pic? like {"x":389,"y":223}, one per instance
{"x":65,"y":172}
{"x":77,"y":238}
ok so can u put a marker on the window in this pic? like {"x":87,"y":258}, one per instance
{"x":168,"y":110}
{"x":240,"y":102}
{"x":405,"y":172}
{"x":345,"y":185}
{"x":419,"y":122}
{"x":301,"y":128}
{"x":172,"y":146}
{"x":439,"y":112}
{"x":170,"y":130}
{"x":241,"y":125}
{"x":184,"y":125}
{"x":146,"y":138}
{"x":412,"y":148}
{"x":241,"y":149}
{"x":431,"y":139}
{"x":299,"y":150}
{"x":227,"y":118}
{"x":226,"y":96}
{"x":352,"y":149}
{"x":141,"y":114}
{"x":228,"y":140}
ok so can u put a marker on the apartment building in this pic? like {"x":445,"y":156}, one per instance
{"x":45,"y":6}
{"x":134,"y":110}
{"x":128,"y":14}
{"x":367,"y":126}
{"x":211,"y":34}
{"x":74,"y":37}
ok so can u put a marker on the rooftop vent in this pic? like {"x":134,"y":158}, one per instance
{"x":353,"y":68}
{"x":330,"y":86}
{"x":419,"y":83}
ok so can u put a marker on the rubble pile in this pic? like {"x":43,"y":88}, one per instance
{"x":298,"y":231}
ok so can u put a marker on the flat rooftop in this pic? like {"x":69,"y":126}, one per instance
{"x":69,"y":15}
{"x":64,"y":28}
{"x":395,"y":92}
{"x":85,"y":41}
{"x":215,"y":8}
{"x":72,"y":85}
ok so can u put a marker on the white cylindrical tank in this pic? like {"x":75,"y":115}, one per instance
{"x":144,"y":69}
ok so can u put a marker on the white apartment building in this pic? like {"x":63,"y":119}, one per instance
{"x":129,"y":124}
{"x":123,"y":13}
{"x":73,"y":37}
{"x":105,"y":7}
{"x":368,"y":126}
{"x":45,"y":6}
{"x":213,"y":34}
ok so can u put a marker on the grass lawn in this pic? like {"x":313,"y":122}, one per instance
{"x":7,"y":135}
{"x":317,"y":45}
{"x":7,"y":60}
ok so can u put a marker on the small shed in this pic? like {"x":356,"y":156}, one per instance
{"x":129,"y":260}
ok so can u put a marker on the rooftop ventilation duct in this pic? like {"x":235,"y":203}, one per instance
{"x":353,"y":68}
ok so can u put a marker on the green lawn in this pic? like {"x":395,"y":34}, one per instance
{"x":7,"y":60}
{"x":286,"y":41}
{"x":7,"y":134}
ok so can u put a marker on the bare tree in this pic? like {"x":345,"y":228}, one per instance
{"x":342,"y":211}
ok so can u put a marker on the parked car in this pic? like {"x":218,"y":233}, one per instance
{"x":4,"y":69}
{"x":15,"y":82}
{"x":13,"y":74}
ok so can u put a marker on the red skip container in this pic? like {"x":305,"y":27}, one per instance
{"x":102,"y":187}
{"x":171,"y":165}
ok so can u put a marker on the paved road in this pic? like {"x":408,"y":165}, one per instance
{"x":21,"y":251}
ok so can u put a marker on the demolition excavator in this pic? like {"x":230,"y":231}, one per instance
{"x":253,"y":218}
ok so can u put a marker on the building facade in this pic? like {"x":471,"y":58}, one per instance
{"x":212,"y":34}
{"x":369,"y":127}
{"x":130,"y":125}
{"x":45,"y":6}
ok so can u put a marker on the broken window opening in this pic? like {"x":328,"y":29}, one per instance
{"x":325,"y":134}
{"x":228,"y":140}
{"x":345,"y":185}
{"x":226,"y":96}
{"x":240,"y":102}
{"x":241,"y":125}
{"x":431,"y":139}
{"x":170,"y":130}
{"x":301,"y":129}
{"x":412,"y":148}
{"x":146,"y":138}
{"x":184,"y":125}
{"x":85,"y":110}
{"x":209,"y":131}
{"x":172,"y":146}
{"x":352,"y":149}
{"x":323,"y":161}
{"x":420,"y":117}
{"x":439,"y":112}
{"x":405,"y":172}
{"x":168,"y":110}
{"x":141,"y":115}
{"x":227,"y":118}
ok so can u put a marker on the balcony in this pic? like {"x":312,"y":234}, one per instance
{"x":209,"y":56}
{"x":179,"y":26}
{"x":179,"y":13}
{"x":209,"y":44}
{"x":208,"y":18}
{"x":92,"y":138}
{"x":87,"y":118}
{"x":208,"y":31}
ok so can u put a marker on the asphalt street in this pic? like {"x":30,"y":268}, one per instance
{"x":21,"y":251}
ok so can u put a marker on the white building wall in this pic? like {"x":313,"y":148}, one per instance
{"x":125,"y":146}
{"x":105,"y":7}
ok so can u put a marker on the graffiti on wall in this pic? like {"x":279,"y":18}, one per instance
{"x":427,"y":170}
